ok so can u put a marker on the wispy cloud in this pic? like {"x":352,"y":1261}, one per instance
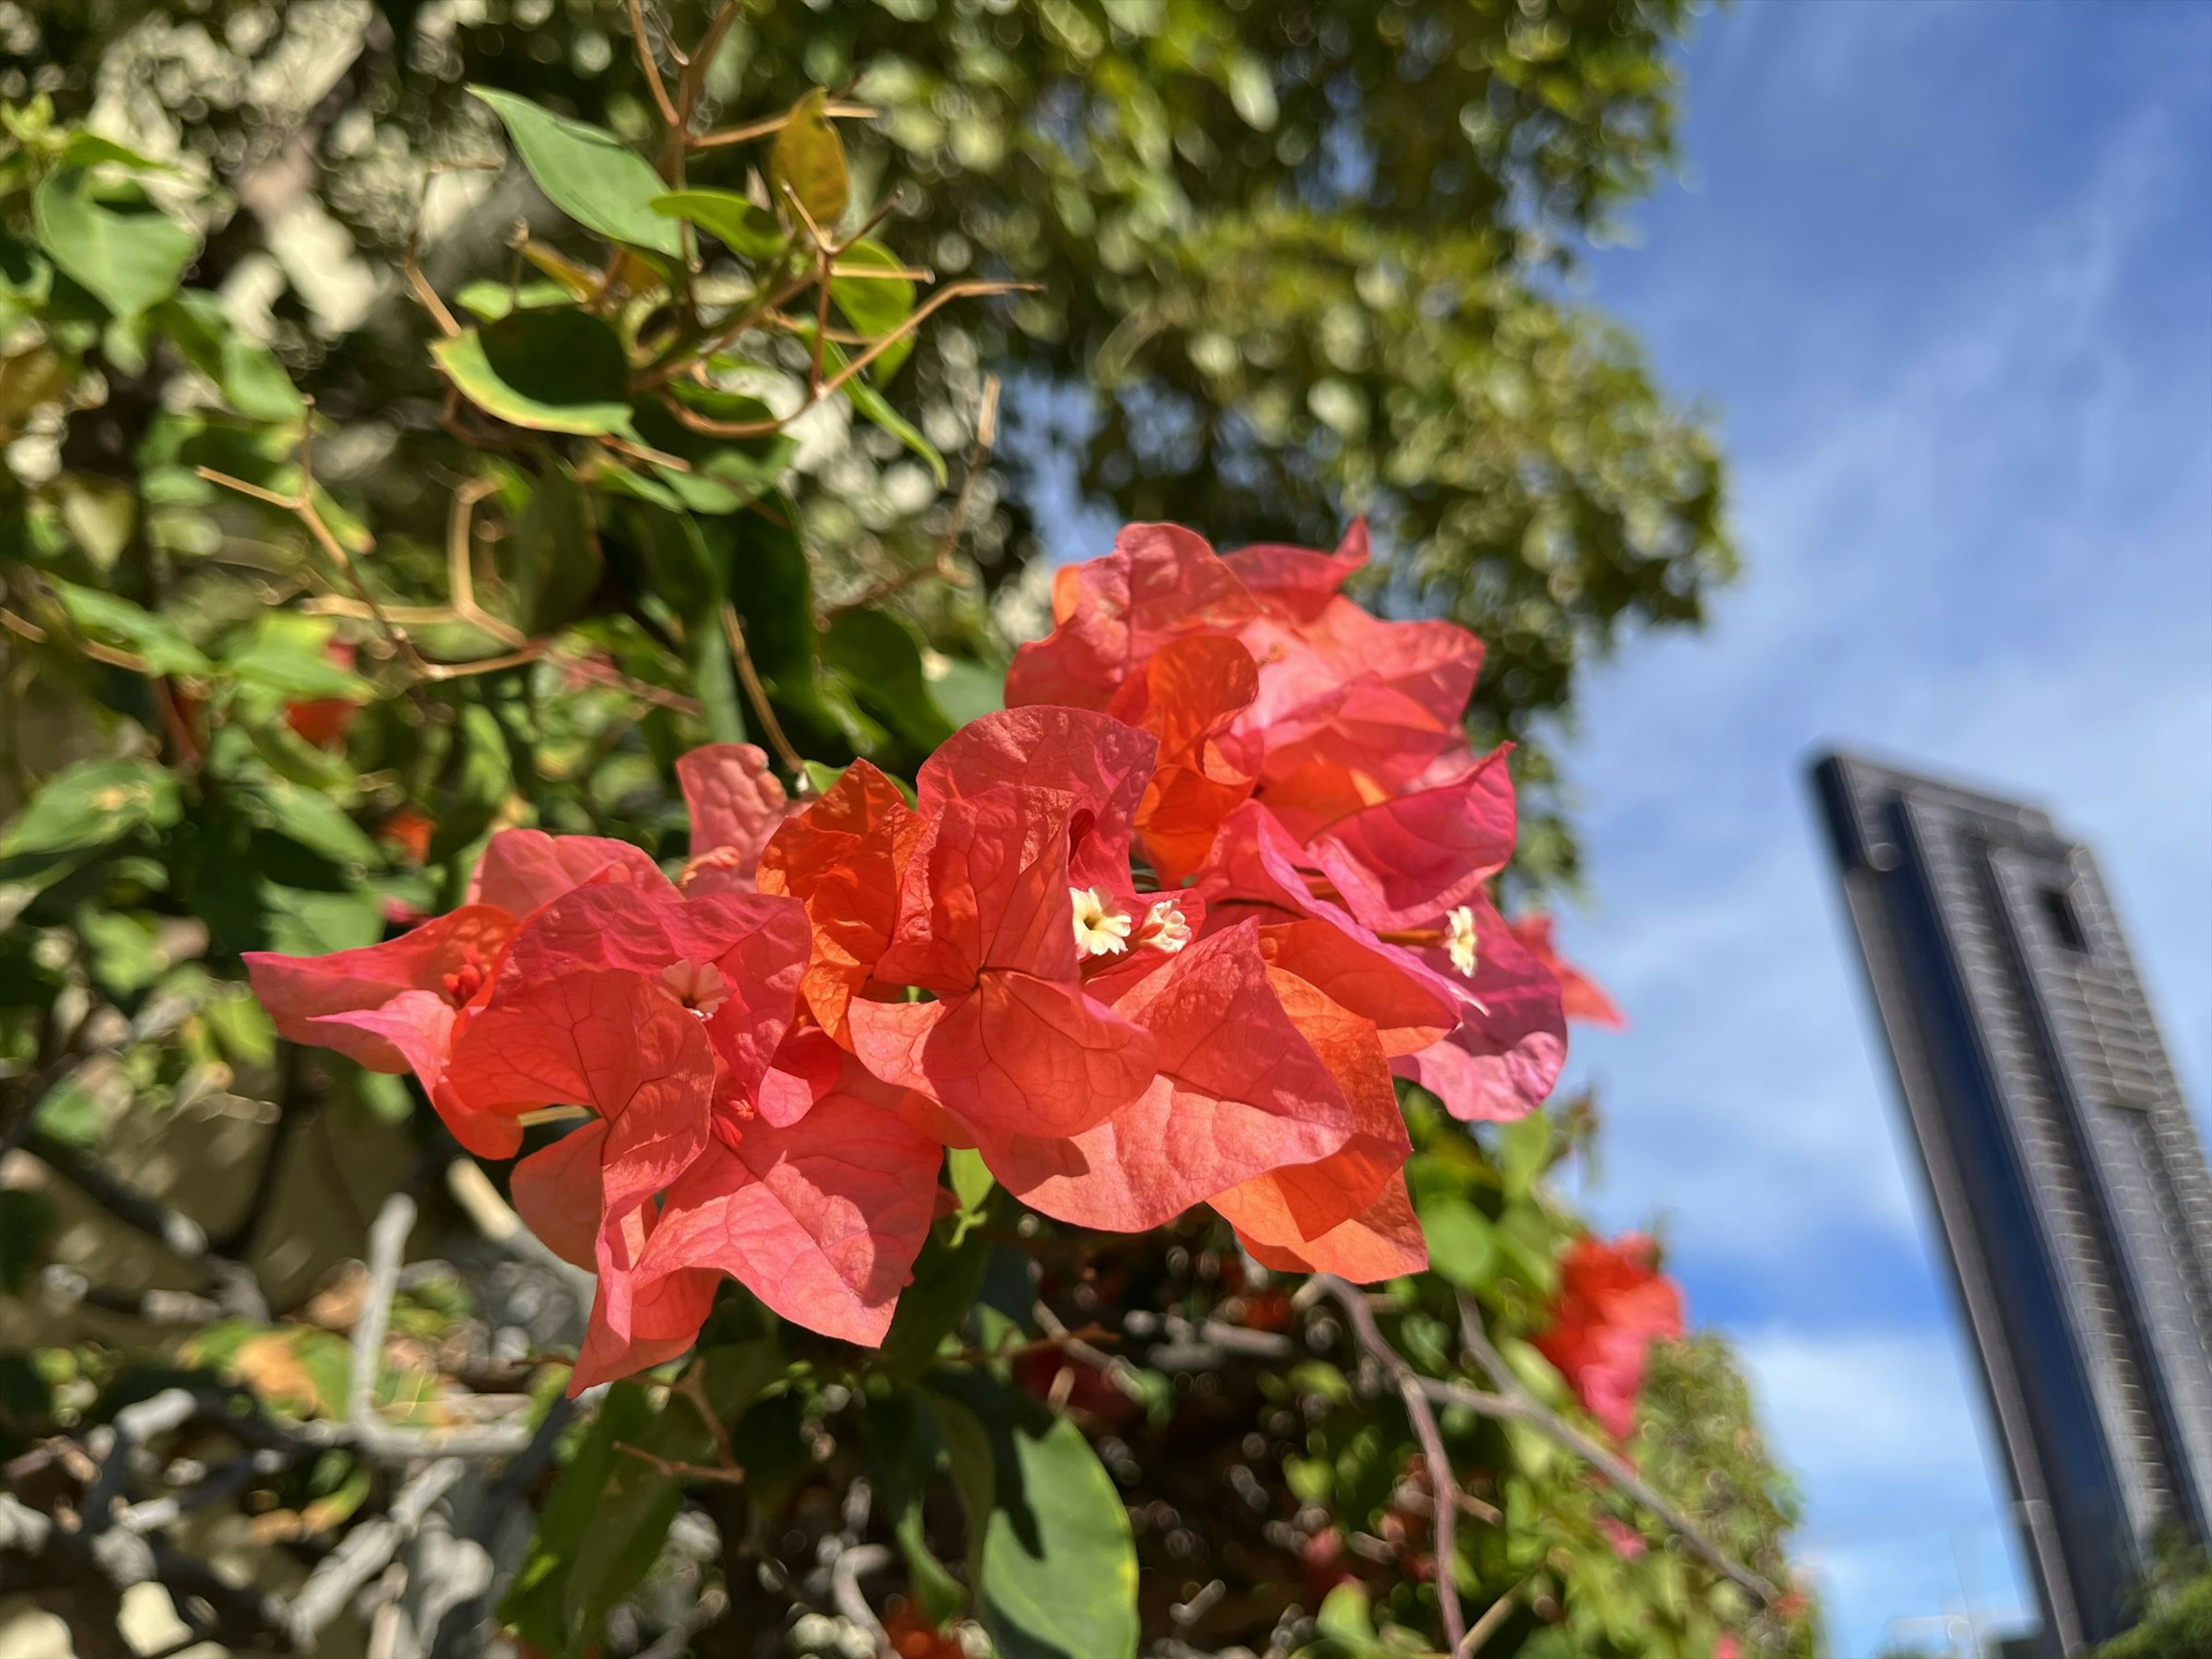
{"x":1965,"y":359}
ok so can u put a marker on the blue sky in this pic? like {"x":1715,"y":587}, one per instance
{"x":1943,"y":273}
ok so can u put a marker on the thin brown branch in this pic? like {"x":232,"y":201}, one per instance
{"x":943,"y":297}
{"x":713,"y":428}
{"x":1484,"y":1628}
{"x":652,"y":68}
{"x":461,"y":671}
{"x":659,"y":373}
{"x":460,"y":580}
{"x":757,"y":693}
{"x":821,"y":323}
{"x":1515,"y":1400}
{"x":675,"y":1469}
{"x":692,"y":1385}
{"x":702,"y":60}
{"x":302,"y":507}
{"x":776,"y":124}
{"x":1441,"y":1478}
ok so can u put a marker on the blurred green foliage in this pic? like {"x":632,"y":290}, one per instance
{"x":1294,"y":262}
{"x":665,"y":464}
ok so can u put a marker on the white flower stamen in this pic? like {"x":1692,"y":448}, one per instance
{"x":1459,"y":940}
{"x":699,"y":985}
{"x":1099,"y":931}
{"x":1165,"y":927}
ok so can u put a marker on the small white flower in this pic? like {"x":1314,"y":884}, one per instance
{"x":1459,"y":940}
{"x":1165,"y":927}
{"x":699,"y":985}
{"x":1099,"y":931}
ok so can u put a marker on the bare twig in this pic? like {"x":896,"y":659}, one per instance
{"x":914,"y":320}
{"x":1515,"y":1400}
{"x":461,"y":577}
{"x":367,"y":1550}
{"x":387,"y":1239}
{"x":776,"y":124}
{"x":1424,"y":1417}
{"x":652,"y":68}
{"x":757,"y":693}
{"x":676,"y":1469}
{"x":845,"y":1592}
{"x":1487,"y":1626}
{"x":236,"y":1288}
{"x":302,"y":507}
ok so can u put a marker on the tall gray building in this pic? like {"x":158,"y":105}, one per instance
{"x":2067,"y":1174}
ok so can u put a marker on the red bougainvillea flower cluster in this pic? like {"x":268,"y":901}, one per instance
{"x":1614,"y":1304}
{"x":1155,"y":935}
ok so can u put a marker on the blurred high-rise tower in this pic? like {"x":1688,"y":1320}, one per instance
{"x":2067,"y":1175}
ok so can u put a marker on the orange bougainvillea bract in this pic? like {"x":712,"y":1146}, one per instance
{"x":1614,"y":1304}
{"x":1158,"y":934}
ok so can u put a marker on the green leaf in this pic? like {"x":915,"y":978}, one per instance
{"x":248,"y":376}
{"x":966,"y":691}
{"x":882,"y":655}
{"x":1459,"y":1244}
{"x":89,"y":149}
{"x":603,"y":1528}
{"x":99,"y":515}
{"x":488,"y":301}
{"x":127,"y":255}
{"x":314,"y":820}
{"x":726,"y":473}
{"x":555,"y":370}
{"x":766,"y":572}
{"x":557,"y":563}
{"x":287,"y":655}
{"x":112,"y":620}
{"x":905,"y":1455}
{"x":124,"y":951}
{"x":971,"y":1177}
{"x":93,"y":803}
{"x":730,"y":218}
{"x":73,"y":1114}
{"x":1524,"y":1152}
{"x":587,"y":172}
{"x":1050,"y":1553}
{"x":301,"y":922}
{"x":808,"y":161}
{"x":877,"y":408}
{"x":875,"y":305}
{"x":947,"y":1277}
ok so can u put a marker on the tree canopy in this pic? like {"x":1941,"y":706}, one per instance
{"x":1293,"y":264}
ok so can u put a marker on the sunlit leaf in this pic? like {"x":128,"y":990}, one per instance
{"x":127,"y":255}
{"x":247,"y":372}
{"x":93,"y":803}
{"x":809,"y":162}
{"x":875,"y":305}
{"x":587,"y":172}
{"x":114,"y":620}
{"x":557,"y":370}
{"x":1050,"y":1553}
{"x":728,"y":217}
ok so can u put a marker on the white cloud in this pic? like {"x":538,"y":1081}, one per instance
{"x":1881,"y":1423}
{"x":1974,"y":477}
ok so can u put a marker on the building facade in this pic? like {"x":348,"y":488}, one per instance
{"x":2067,"y":1175}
